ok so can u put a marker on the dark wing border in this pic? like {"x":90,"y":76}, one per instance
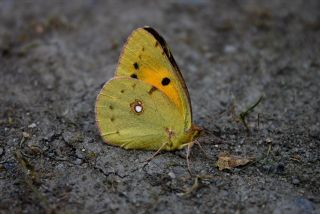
{"x":170,"y":57}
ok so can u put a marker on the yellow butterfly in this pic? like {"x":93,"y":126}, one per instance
{"x":146,"y":105}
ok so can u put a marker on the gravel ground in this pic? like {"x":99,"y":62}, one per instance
{"x":55,"y":56}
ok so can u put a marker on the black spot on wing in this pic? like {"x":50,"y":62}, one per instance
{"x":136,"y":65}
{"x":165,"y":81}
{"x":111,"y":107}
{"x":152,"y":89}
{"x":134,"y":76}
{"x":167,"y":52}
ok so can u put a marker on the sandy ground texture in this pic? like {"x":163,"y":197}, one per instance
{"x":56,"y":55}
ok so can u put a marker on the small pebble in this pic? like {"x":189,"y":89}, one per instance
{"x":67,"y":136}
{"x":50,"y":136}
{"x":9,"y":165}
{"x":32,"y":125}
{"x":172,"y":175}
{"x":315,"y":131}
{"x":295,"y":181}
{"x":78,"y":161}
{"x":268,"y":140}
{"x":229,"y":49}
{"x":25,"y":134}
{"x":242,"y":141}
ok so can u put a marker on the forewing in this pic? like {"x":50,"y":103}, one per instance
{"x":147,"y":57}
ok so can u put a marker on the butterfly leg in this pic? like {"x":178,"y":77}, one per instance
{"x":188,"y":156}
{"x":189,"y":146}
{"x":201,"y":148}
{"x":155,"y":154}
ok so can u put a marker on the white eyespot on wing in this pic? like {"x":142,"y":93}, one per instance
{"x":138,"y":108}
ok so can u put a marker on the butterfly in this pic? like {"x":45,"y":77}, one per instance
{"x":146,"y":105}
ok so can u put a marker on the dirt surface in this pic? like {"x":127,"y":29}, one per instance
{"x":55,"y":57}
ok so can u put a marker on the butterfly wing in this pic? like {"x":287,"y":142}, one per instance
{"x":147,"y":57}
{"x":133,"y":114}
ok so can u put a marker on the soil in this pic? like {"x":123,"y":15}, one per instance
{"x":56,"y":55}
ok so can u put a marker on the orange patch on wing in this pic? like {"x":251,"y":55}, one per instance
{"x":156,"y":80}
